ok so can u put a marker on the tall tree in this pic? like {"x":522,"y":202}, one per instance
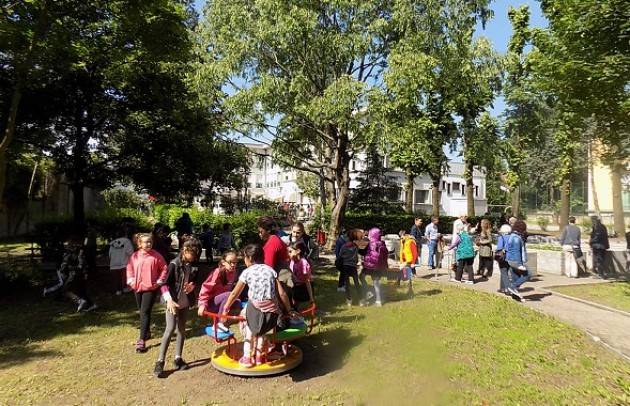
{"x":23,"y":26}
{"x":587,"y":69}
{"x":525,"y":118}
{"x":309,"y":66}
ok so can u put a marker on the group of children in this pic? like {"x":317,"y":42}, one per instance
{"x":348,"y":247}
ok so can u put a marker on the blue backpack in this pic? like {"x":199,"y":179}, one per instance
{"x":465,"y":248}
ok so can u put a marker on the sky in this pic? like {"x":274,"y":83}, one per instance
{"x":498,"y":30}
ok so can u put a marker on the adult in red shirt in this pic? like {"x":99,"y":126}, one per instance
{"x":276,"y":254}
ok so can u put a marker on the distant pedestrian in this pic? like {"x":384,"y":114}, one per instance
{"x":431,"y":234}
{"x":599,"y":245}
{"x":516,"y":256}
{"x":484,"y":242}
{"x":417,"y":231}
{"x":226,"y":240}
{"x":499,"y":256}
{"x":571,"y":240}
{"x":184,"y":227}
{"x":207,"y":241}
{"x":462,"y":243}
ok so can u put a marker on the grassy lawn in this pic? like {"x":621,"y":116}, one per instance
{"x":614,"y":294}
{"x":446,"y":345}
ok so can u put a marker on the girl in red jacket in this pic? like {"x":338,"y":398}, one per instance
{"x":217,"y":287}
{"x":146,"y":272}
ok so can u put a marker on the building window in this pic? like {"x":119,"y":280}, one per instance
{"x":463,"y":190}
{"x":476,"y":191}
{"x":443,"y":186}
{"x":456,"y":187}
{"x":286,"y":177}
{"x":625,"y":198}
{"x":354,"y":166}
{"x":422,"y":196}
{"x":448,"y":189}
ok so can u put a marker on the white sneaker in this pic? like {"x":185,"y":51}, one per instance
{"x":349,"y":303}
{"x":341,"y":289}
{"x":93,"y":307}
{"x":118,"y":292}
{"x":453,"y":280}
{"x":362,"y":303}
{"x":82,"y":304}
{"x":222,"y":327}
{"x":515,"y":294}
{"x":378,"y":304}
{"x":469,"y":282}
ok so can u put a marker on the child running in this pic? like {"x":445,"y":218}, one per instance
{"x":375,"y":263}
{"x":146,"y":272}
{"x":72,"y":275}
{"x":302,"y":290}
{"x":217,"y":287}
{"x":261,"y":313}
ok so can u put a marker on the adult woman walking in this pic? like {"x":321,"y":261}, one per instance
{"x":484,"y":242}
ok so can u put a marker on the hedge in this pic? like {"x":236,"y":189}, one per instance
{"x":393,"y":223}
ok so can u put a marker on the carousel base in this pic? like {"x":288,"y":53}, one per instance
{"x":222,"y":361}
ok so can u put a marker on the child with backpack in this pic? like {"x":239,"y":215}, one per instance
{"x":375,"y":263}
{"x":464,"y":255}
{"x":120,"y":250}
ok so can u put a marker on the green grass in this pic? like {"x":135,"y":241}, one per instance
{"x":446,"y":345}
{"x":614,"y":294}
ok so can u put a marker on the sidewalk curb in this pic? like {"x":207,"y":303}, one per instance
{"x":548,"y":289}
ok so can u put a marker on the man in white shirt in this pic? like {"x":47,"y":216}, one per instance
{"x":431,"y":234}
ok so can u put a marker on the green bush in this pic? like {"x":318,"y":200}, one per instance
{"x":393,"y":223}
{"x":542,"y":222}
{"x":243,"y":225}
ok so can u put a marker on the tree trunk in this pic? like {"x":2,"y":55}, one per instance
{"x":78,"y":205}
{"x":565,"y":193}
{"x":435,"y":196}
{"x":618,"y":220}
{"x":591,"y":169}
{"x":322,"y":196}
{"x":470,"y":189}
{"x":342,"y":180}
{"x":409,"y":192}
{"x":516,"y":201}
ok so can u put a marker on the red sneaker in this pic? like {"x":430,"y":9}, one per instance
{"x":246,"y":362}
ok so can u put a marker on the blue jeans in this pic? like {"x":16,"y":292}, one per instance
{"x":518,"y":277}
{"x":432,"y":246}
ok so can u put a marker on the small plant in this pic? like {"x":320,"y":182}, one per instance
{"x":542,"y":222}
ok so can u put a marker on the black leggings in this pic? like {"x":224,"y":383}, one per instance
{"x":351,"y":272}
{"x":145,"y":302}
{"x":487,"y":264}
{"x":465,"y":264}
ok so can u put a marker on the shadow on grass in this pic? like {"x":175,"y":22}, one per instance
{"x":536,"y":297}
{"x":324,"y":352}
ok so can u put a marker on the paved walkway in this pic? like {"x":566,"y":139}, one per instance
{"x":609,"y":327}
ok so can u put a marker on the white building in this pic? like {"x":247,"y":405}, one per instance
{"x":269,"y":179}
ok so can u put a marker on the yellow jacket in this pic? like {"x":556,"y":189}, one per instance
{"x":408,"y":250}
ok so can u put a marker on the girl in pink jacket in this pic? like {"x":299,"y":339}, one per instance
{"x":217,"y":287}
{"x":146,"y":271}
